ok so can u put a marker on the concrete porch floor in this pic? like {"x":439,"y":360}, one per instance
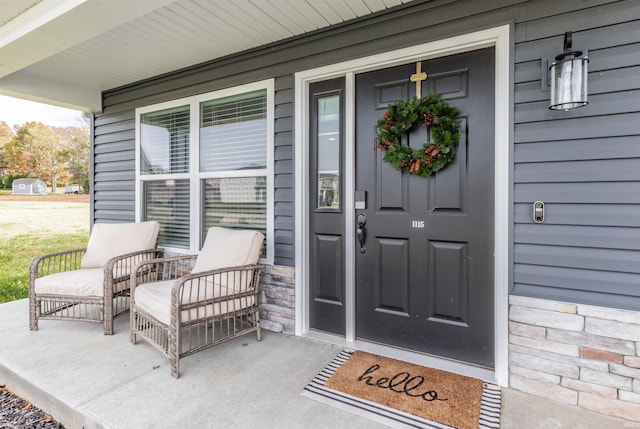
{"x":85,"y":379}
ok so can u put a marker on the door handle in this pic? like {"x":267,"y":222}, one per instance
{"x":361,"y":232}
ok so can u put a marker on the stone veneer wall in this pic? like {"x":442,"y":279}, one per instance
{"x":277,"y":299}
{"x":576,"y":354}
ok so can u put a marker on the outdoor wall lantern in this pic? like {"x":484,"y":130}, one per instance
{"x":568,"y":75}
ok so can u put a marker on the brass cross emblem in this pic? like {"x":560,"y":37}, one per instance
{"x":418,"y":77}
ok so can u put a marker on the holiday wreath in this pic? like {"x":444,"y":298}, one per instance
{"x":431,"y":112}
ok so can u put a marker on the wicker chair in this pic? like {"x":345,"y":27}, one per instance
{"x":181,"y":311}
{"x":91,"y":284}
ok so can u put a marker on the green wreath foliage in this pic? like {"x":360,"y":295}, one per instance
{"x":431,"y":112}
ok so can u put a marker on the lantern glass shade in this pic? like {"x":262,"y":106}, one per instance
{"x":568,"y":83}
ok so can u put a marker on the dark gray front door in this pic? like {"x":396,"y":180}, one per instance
{"x":426,"y":281}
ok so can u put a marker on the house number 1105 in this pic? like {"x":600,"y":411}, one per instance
{"x":417,"y":224}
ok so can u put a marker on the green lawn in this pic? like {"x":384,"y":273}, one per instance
{"x":17,"y":252}
{"x":32,"y":226}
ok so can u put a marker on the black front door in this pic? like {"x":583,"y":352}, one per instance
{"x":425,"y":281}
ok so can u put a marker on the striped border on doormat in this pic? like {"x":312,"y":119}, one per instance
{"x":489,"y":408}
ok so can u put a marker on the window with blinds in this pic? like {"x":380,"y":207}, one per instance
{"x":235,"y":202}
{"x":164,"y":141}
{"x":224,"y":179}
{"x":233,"y":133}
{"x":167,"y":201}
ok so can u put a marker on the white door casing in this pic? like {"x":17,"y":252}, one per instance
{"x":498,"y":37}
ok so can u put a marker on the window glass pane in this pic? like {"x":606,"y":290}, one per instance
{"x":164,"y":141}
{"x":233,"y":132}
{"x":328,"y":152}
{"x":167,"y":201}
{"x":235,"y":202}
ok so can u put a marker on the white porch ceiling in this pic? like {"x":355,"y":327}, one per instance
{"x":66,"y":52}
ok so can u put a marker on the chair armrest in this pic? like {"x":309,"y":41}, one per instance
{"x":57,"y":262}
{"x":123,"y":265}
{"x":192,"y":285}
{"x":158,"y":269}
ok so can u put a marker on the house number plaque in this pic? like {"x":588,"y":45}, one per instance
{"x":417,"y":224}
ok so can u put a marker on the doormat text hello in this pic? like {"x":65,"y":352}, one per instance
{"x":402,"y":383}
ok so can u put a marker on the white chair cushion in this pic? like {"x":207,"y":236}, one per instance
{"x":155,"y":299}
{"x":226,"y":247}
{"x":89,"y":282}
{"x":110,"y":240}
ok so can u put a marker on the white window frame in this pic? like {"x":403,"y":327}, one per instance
{"x":194,"y":175}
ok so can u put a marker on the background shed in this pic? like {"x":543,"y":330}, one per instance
{"x":29,"y":187}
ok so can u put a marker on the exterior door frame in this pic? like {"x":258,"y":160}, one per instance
{"x":500,"y":39}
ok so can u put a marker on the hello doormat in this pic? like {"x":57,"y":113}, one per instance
{"x":406,"y":395}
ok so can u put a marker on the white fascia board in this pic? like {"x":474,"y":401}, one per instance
{"x":53,"y":26}
{"x":52,"y":90}
{"x":35,"y":17}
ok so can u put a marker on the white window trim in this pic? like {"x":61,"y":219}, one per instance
{"x":195,"y":177}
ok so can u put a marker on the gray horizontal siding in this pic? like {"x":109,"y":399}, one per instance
{"x":626,"y":169}
{"x":114,"y":168}
{"x":576,"y":127}
{"x":564,"y":256}
{"x":581,"y":192}
{"x":584,"y":164}
{"x":579,"y":149}
{"x":596,"y":237}
{"x":283,"y":180}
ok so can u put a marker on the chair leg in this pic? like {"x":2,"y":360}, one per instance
{"x":108,"y":327}
{"x":175,"y":368}
{"x":33,"y":314}
{"x":107,"y":314}
{"x":259,"y":329}
{"x":174,"y":350}
{"x":132,"y":327}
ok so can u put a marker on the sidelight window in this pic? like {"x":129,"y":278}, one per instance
{"x":328,"y":151}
